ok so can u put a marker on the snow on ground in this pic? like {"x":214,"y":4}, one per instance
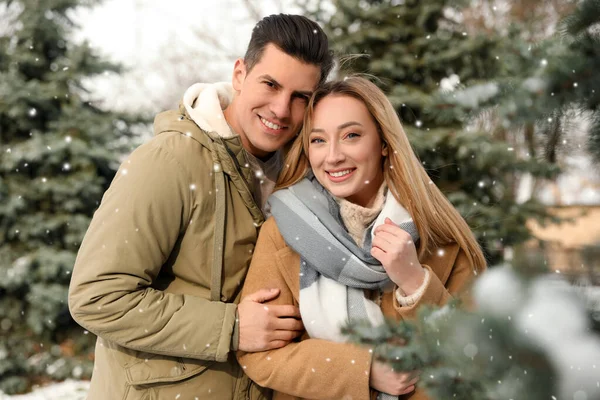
{"x":67,"y":390}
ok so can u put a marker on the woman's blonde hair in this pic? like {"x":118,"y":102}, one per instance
{"x":436,"y":219}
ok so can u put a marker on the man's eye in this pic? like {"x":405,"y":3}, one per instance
{"x":269,"y":84}
{"x":302,"y":98}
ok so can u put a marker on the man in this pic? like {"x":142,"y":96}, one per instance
{"x":159,"y":273}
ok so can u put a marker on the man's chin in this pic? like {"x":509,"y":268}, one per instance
{"x":268,"y":145}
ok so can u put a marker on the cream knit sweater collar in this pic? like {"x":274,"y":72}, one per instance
{"x":358,"y":218}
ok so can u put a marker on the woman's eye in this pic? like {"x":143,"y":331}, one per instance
{"x":316,"y":140}
{"x":352,"y":135}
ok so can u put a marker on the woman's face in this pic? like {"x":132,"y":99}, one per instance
{"x":345,"y":149}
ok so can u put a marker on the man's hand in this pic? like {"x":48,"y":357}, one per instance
{"x":384,"y":379}
{"x":266,"y":327}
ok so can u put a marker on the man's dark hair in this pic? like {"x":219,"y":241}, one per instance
{"x":295,"y":35}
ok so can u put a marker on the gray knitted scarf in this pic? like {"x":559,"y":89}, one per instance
{"x":334,"y":271}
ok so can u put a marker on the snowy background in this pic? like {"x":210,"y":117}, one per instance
{"x":156,"y":41}
{"x":166,"y":46}
{"x":67,"y":390}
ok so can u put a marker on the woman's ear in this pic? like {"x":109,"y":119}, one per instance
{"x":384,"y":149}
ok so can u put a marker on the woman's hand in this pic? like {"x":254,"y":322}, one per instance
{"x":384,"y":379}
{"x":395,"y":250}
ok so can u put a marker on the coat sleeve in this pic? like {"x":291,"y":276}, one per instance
{"x":130,"y":238}
{"x":443,"y":285}
{"x":311,"y":368}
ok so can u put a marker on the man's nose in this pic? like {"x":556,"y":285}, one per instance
{"x":281,"y":106}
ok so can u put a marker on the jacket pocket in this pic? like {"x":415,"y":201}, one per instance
{"x":153,"y":368}
{"x":256,"y":392}
{"x":246,"y":389}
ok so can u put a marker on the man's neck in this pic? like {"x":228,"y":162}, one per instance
{"x":264,"y":159}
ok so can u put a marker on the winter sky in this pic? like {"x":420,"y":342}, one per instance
{"x":152,"y":38}
{"x":134,"y":30}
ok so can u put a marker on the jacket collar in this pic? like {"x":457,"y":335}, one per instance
{"x":205,"y":102}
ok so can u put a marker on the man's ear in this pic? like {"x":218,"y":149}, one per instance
{"x":239,"y":74}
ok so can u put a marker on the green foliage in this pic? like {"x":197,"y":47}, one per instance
{"x":525,"y":333}
{"x":463,"y":355}
{"x":411,"y":48}
{"x":544,"y":81}
{"x":579,"y":65}
{"x":58,"y":152}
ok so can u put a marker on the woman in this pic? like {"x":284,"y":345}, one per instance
{"x":353,"y":201}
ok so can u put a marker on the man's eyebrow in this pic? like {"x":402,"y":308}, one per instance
{"x":307,"y":93}
{"x":268,"y":77}
{"x":339,"y":128}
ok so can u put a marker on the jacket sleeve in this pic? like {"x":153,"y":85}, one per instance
{"x":459,"y":278}
{"x":311,"y":368}
{"x":131,"y":236}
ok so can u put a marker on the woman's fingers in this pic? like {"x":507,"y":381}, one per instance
{"x":394,"y":230}
{"x":387,"y":237}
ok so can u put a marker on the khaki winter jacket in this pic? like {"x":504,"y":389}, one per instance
{"x":159,"y":273}
{"x":319,"y":369}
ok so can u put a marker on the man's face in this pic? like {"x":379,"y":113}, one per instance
{"x":270,"y":100}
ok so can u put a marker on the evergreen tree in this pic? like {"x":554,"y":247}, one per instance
{"x":571,"y":79}
{"x":551,"y":83}
{"x":58,"y":153}
{"x":531,"y":337}
{"x":416,"y":50}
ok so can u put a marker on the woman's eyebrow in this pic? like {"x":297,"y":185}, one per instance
{"x":339,"y":128}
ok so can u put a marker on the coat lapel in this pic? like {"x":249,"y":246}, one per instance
{"x":441,"y":260}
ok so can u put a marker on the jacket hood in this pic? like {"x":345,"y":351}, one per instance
{"x":205,"y":102}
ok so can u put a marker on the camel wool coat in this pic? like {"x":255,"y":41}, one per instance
{"x":320,"y":369}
